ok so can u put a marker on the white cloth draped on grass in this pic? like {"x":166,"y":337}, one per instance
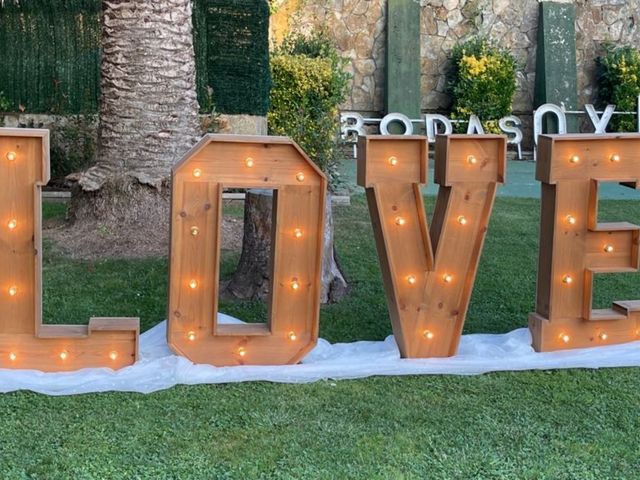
{"x":159,"y":368}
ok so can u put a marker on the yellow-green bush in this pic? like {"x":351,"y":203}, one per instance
{"x":308,"y":85}
{"x":619,"y":84}
{"x":482,"y":82}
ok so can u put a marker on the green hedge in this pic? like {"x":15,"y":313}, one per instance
{"x":51,"y":55}
{"x":482,"y":81}
{"x":309,"y":84}
{"x":619,"y":84}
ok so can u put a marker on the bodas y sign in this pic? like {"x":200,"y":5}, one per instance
{"x":428,"y":272}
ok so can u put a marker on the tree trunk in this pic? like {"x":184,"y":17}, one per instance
{"x":251,"y":278}
{"x":148,"y":117}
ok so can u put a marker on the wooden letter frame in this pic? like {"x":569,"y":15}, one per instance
{"x":574,"y":246}
{"x":25,"y":343}
{"x":230,"y":161}
{"x":428,"y":276}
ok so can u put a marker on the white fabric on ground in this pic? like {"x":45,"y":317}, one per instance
{"x":159,"y":368}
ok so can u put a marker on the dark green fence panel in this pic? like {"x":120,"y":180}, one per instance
{"x":232,"y":53}
{"x":50,"y":55}
{"x":49,"y":59}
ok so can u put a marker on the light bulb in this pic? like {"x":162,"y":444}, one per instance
{"x":292,"y":336}
{"x":574,"y":159}
{"x":11,"y":156}
{"x":197,"y":172}
{"x":195,"y":231}
{"x":472,"y":160}
{"x":446,"y":278}
{"x":249,"y":162}
{"x":13,"y":223}
{"x":297,"y":233}
{"x":191,"y":336}
{"x":113,"y":355}
{"x":13,"y":291}
{"x":63,"y":355}
{"x":411,"y":280}
{"x":603,"y":336}
{"x":242,"y":352}
{"x":567,"y":280}
{"x":428,"y":334}
{"x":571,"y":220}
{"x":300,"y":177}
{"x":12,"y":357}
{"x":462,"y":220}
{"x":400,"y":221}
{"x":193,"y":284}
{"x":393,"y":161}
{"x":615,"y":158}
{"x":295,"y":285}
{"x":609,"y":248}
{"x":565,"y":338}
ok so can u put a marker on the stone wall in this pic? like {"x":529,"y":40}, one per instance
{"x":359,"y":30}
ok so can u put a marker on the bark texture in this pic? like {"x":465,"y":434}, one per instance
{"x":252,"y":277}
{"x":149,"y":106}
{"x":148,"y":121}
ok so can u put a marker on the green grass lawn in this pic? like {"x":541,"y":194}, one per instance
{"x":578,"y":424}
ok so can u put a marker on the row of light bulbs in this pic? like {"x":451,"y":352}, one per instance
{"x":13,"y":223}
{"x":393,"y":160}
{"x":192,"y":336}
{"x":615,"y":158}
{"x":603,"y":336}
{"x":249,"y":163}
{"x":64,"y":355}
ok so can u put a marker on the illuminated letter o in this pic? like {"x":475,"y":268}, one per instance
{"x":297,"y":232}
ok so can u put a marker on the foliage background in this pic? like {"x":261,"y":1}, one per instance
{"x":309,"y":84}
{"x":619,"y":84}
{"x":51,"y":55}
{"x":482,"y":82}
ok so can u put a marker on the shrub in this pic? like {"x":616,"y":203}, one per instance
{"x":482,"y":82}
{"x":309,"y":84}
{"x":5,"y":104}
{"x":619,"y":84}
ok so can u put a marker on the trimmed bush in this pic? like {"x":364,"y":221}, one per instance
{"x":619,"y":84}
{"x":482,"y":82}
{"x":309,"y":84}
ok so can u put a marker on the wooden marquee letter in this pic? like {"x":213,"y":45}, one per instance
{"x":574,"y":246}
{"x":228,"y":161}
{"x":25,"y":342}
{"x":428,"y":277}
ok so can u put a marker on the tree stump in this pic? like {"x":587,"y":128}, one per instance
{"x":148,"y":120}
{"x":251,"y":280}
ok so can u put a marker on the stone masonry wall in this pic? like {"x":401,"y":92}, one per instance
{"x":359,"y":30}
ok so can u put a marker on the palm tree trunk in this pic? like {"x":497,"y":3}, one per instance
{"x":148,"y":113}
